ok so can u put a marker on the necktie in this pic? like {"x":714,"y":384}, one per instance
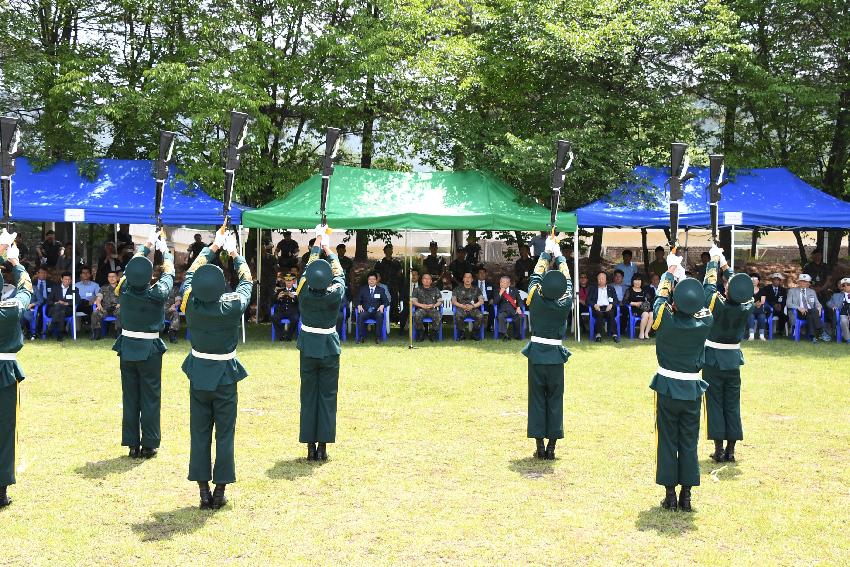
{"x":372,"y":291}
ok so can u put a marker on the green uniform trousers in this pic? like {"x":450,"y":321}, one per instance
{"x":319,"y":385}
{"x":677,"y":428}
{"x":207,"y":410}
{"x":8,"y":423}
{"x":546,"y":401}
{"x":141,"y":385}
{"x":723,"y":404}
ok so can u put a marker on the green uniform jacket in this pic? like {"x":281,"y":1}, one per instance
{"x":731,"y":323}
{"x":320,"y":308}
{"x":679,"y":345}
{"x":548,"y":315}
{"x":214,"y":328}
{"x":11,"y":338}
{"x":142,"y":310}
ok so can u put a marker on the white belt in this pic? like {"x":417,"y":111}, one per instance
{"x":678,"y":375}
{"x":318,"y":330}
{"x":208,"y":356}
{"x":139,"y":334}
{"x":8,"y":356}
{"x":722,"y":346}
{"x":541,"y":340}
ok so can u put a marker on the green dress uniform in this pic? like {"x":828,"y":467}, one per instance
{"x":140,"y":348}
{"x":11,"y":373}
{"x":723,"y":357}
{"x":318,"y":342}
{"x":680,"y":349}
{"x":546,"y":354}
{"x":213,"y":370}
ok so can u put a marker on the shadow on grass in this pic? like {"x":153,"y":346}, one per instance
{"x":102,"y":469}
{"x":531,"y":467}
{"x":720,"y":471}
{"x":165,"y":525}
{"x":665,"y":522}
{"x":293,"y":468}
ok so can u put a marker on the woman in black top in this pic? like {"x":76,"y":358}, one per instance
{"x":640,"y":299}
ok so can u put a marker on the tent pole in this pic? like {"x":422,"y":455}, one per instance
{"x":73,"y":281}
{"x":732,"y":250}
{"x":576,"y":314}
{"x":242,"y":253}
{"x":259,"y":270}
{"x":410,"y":291}
{"x":115,"y":235}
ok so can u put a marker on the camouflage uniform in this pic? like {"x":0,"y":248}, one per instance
{"x":172,"y":313}
{"x":426,"y":296}
{"x":468,"y":296}
{"x":108,"y":308}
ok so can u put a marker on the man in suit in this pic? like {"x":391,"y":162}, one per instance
{"x":804,"y":302}
{"x":486,"y":288}
{"x":603,"y":304}
{"x":840,"y":301}
{"x":371,"y":303}
{"x":60,"y":305}
{"x":775,"y":297}
{"x":40,"y":292}
{"x":507,"y":304}
{"x":214,"y":319}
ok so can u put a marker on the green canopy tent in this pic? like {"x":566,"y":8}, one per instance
{"x":390,"y":200}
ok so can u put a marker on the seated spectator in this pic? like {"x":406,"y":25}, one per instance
{"x":840,"y":302}
{"x":620,"y":288}
{"x":88,"y":291}
{"x":106,"y":305}
{"x":821,"y":275}
{"x":804,"y":302}
{"x":507,"y":304}
{"x":759,"y":316}
{"x":459,"y":266}
{"x":627,"y":267}
{"x":640,"y":299}
{"x":172,"y":310}
{"x":472,"y":251}
{"x":654,"y":281}
{"x":603,"y":304}
{"x":582,"y":292}
{"x":486,"y":288}
{"x":659,"y":265}
{"x":428,"y":302}
{"x":468,"y":300}
{"x":285,"y":307}
{"x":433,"y":264}
{"x":523,"y":268}
{"x":446,"y":281}
{"x":775,"y":298}
{"x":371,"y":303}
{"x":59,"y":305}
{"x":41,"y":288}
{"x":699,"y":270}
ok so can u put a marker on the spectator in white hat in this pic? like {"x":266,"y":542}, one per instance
{"x":775,"y":296}
{"x":840,"y":303}
{"x":803,"y":301}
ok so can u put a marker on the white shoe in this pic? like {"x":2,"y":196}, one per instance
{"x":752,"y":336}
{"x":762,"y":338}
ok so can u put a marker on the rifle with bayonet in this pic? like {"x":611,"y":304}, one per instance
{"x":332,"y":139}
{"x":716,"y":168}
{"x":166,"y":146}
{"x":559,"y":173}
{"x":10,"y":137}
{"x":232,"y":156}
{"x":679,"y":175}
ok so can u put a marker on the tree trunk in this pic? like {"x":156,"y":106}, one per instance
{"x":834,"y":247}
{"x":754,"y":243}
{"x":724,"y":235}
{"x":645,"y":247}
{"x":367,"y":148}
{"x":595,"y":255}
{"x":819,"y":243}
{"x":801,"y":247}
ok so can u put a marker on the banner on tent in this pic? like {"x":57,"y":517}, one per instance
{"x":733,"y":218}
{"x":75,"y":215}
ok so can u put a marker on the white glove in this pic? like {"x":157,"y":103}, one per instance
{"x":679,"y":274}
{"x":673,"y":260}
{"x":161,"y":245}
{"x":153,"y":236}
{"x":715,"y":252}
{"x":13,"y":253}
{"x":7,"y":238}
{"x":323,"y":231}
{"x":722,"y":262}
{"x":552,"y":247}
{"x":220,"y":237}
{"x":230,"y":243}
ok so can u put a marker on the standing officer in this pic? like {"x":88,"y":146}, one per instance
{"x":550,"y":300}
{"x":680,"y":348}
{"x":214,"y":318}
{"x":319,"y":345}
{"x":434,"y":264}
{"x":140,"y":348}
{"x":286,"y":307}
{"x":11,"y":373}
{"x":391,"y":272}
{"x":723,"y":357}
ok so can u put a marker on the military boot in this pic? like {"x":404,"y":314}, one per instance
{"x":322,"y":452}
{"x":550,"y":449}
{"x":669,"y":502}
{"x":685,"y":499}
{"x":206,"y":496}
{"x":135,"y":453}
{"x":541,"y":449}
{"x":172,"y":336}
{"x":148,"y":452}
{"x":311,"y":452}
{"x":717,"y":456}
{"x":4,"y":498}
{"x":729,"y":455}
{"x":218,"y":498}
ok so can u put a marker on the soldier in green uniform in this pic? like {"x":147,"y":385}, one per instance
{"x":681,"y":329}
{"x":140,"y":348}
{"x":11,"y":373}
{"x":550,"y":301}
{"x":723,"y":357}
{"x":214,"y":318}
{"x":106,"y":304}
{"x":428,"y":302}
{"x":318,"y":343}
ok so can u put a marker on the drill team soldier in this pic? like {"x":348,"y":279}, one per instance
{"x":550,"y":300}
{"x":214,"y":318}
{"x":682,"y":329}
{"x":723,"y":357}
{"x":140,"y":348}
{"x":11,"y":373}
{"x":319,"y":348}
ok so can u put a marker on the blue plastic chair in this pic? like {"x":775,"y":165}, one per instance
{"x":282,"y":321}
{"x":838,"y":335}
{"x":372,"y":321}
{"x":46,"y":320}
{"x":798,"y":323}
{"x":342,"y":330}
{"x":633,"y":320}
{"x":482,"y":330}
{"x":439,"y":323}
{"x":592,"y":323}
{"x":104,"y":325}
{"x":509,"y":320}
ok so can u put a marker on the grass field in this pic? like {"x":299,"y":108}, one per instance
{"x":431,"y":465}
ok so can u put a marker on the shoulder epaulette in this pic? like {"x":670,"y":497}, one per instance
{"x":334,"y":287}
{"x":230,"y":297}
{"x":702,"y":313}
{"x":9,"y":303}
